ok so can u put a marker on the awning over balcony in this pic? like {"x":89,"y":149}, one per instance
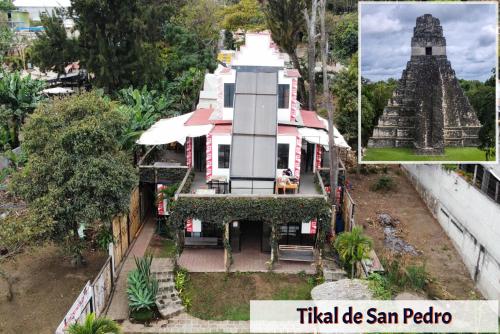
{"x":316,"y":136}
{"x":171,"y":130}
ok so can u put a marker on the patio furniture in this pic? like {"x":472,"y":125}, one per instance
{"x":200,"y":241}
{"x":296,"y":253}
{"x":219,"y":183}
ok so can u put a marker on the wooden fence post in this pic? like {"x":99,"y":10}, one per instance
{"x":227,"y":248}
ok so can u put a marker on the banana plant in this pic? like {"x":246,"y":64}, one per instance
{"x":19,"y":96}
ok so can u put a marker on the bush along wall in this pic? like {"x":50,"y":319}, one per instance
{"x":270,"y":210}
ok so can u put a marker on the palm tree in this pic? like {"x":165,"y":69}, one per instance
{"x":353,"y":247}
{"x":93,"y":325}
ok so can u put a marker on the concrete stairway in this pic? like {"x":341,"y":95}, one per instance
{"x":168,"y":301}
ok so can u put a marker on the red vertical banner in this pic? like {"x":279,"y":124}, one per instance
{"x":189,"y":225}
{"x":189,"y":152}
{"x":209,"y":157}
{"x":313,"y":226}
{"x":294,"y":104}
{"x":298,"y":146}
{"x":319,"y":151}
{"x":160,"y":200}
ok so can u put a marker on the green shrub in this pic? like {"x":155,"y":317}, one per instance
{"x":384,"y":184}
{"x":181,"y":280}
{"x":401,"y":276}
{"x":417,"y":277}
{"x":380,"y":286}
{"x":104,"y":237}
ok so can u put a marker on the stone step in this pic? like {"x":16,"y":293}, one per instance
{"x":170,"y":311}
{"x":167,"y":295}
{"x":162,"y":303}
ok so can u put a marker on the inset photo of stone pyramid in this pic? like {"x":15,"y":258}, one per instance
{"x":428,"y":77}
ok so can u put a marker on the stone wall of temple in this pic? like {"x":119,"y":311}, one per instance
{"x":428,"y":110}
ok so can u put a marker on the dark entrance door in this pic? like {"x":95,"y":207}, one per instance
{"x":251,"y":235}
{"x":200,"y":154}
{"x":307,"y":158}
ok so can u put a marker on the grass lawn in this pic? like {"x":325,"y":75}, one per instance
{"x":406,"y":154}
{"x":220,"y":296}
{"x":161,"y":247}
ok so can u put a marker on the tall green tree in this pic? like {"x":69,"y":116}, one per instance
{"x":19,"y":96}
{"x":112,"y":34}
{"x":246,"y":15}
{"x":53,"y":49}
{"x":482,"y":98}
{"x":183,"y":51}
{"x":345,"y":89}
{"x":353,"y":247}
{"x":76,"y":173}
{"x":374,"y":98}
{"x":344,"y":37}
{"x":6,"y":34}
{"x":285,"y":19}
{"x":201,"y":17}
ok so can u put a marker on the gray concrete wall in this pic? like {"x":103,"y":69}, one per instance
{"x":470,"y":218}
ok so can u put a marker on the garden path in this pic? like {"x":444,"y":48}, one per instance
{"x":118,"y":308}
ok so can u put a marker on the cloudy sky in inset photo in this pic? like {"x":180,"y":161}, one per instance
{"x":386,"y":31}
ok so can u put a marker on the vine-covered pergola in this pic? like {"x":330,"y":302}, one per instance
{"x":273,"y":210}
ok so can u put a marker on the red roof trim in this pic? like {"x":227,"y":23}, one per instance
{"x":311,"y":120}
{"x":287,"y":130}
{"x":200,"y":117}
{"x":222,"y":129}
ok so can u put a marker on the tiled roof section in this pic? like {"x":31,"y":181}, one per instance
{"x":311,"y":120}
{"x":222,"y":129}
{"x":200,"y":117}
{"x":287,"y":130}
{"x":292,"y":73}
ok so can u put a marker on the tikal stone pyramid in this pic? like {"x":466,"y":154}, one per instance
{"x":428,"y":110}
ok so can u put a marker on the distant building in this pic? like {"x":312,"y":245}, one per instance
{"x":36,"y":7}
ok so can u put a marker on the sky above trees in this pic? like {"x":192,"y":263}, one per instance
{"x":386,"y":31}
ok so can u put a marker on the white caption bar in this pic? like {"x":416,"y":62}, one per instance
{"x":368,"y":316}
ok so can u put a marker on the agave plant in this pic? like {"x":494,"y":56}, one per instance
{"x":93,"y":325}
{"x":142,"y":286}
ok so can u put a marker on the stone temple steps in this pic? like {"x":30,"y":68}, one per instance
{"x":167,"y":300}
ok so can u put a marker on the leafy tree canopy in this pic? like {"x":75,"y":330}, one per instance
{"x":374,"y":98}
{"x":246,"y":15}
{"x":111,"y":41}
{"x":200,"y":17}
{"x":184,"y":51}
{"x":53,"y":49}
{"x":482,"y":98}
{"x":6,"y":5}
{"x":75,"y":173}
{"x":345,"y":88}
{"x":344,"y":37}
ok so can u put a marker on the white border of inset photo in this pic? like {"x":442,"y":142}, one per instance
{"x":497,"y":99}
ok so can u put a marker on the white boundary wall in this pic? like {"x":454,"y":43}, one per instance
{"x":470,"y":218}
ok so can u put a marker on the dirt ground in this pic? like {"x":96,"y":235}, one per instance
{"x":417,"y":227}
{"x":46,"y":286}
